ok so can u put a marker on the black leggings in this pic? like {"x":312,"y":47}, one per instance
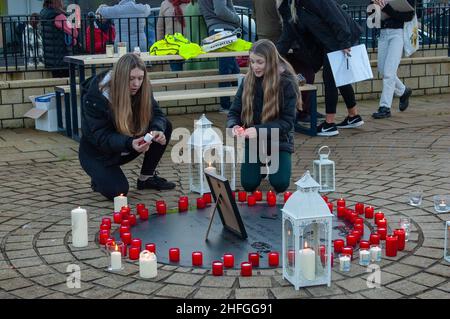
{"x":331,"y":91}
{"x":110,"y":181}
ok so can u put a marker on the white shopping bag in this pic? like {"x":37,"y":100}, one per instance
{"x":350,"y":69}
{"x":411,"y":37}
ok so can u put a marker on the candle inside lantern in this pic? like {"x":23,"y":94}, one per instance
{"x":258,"y":195}
{"x":401,"y":235}
{"x":391,"y":246}
{"x":369,"y":212}
{"x":119,"y":202}
{"x":251,"y":200}
{"x":217,"y":268}
{"x":116,"y":259}
{"x":228,"y":260}
{"x":211,"y":169}
{"x":174,"y":255}
{"x":338,"y":245}
{"x":246,"y":269}
{"x":79,"y":228}
{"x":274,"y":259}
{"x":148,"y":266}
{"x":197,"y":258}
{"x":307,"y":261}
{"x":253,"y":258}
{"x":375,"y":253}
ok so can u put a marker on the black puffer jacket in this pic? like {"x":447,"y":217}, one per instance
{"x":397,"y":19}
{"x":284,"y":122}
{"x":53,"y":40}
{"x":331,"y":26}
{"x":100,"y":138}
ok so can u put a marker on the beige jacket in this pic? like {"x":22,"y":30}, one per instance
{"x":167,"y":23}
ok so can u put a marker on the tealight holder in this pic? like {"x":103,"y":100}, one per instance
{"x":115,"y":255}
{"x":415,"y":197}
{"x":345,"y":262}
{"x":441,"y":203}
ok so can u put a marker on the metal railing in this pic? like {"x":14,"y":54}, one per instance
{"x":20,"y":47}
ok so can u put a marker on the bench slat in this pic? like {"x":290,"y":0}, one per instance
{"x":164,"y":96}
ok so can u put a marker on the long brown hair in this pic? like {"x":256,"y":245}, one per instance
{"x":132,"y":114}
{"x":275,"y":64}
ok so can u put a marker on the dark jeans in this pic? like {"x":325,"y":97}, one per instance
{"x":308,"y":72}
{"x":227,"y":66}
{"x":331,"y":91}
{"x":251,"y":173}
{"x":110,"y":181}
{"x":176,"y":66}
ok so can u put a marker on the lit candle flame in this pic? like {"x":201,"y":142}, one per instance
{"x":306,"y":244}
{"x":117,"y":248}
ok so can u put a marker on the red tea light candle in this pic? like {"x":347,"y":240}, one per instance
{"x":174,"y":255}
{"x":364,"y":244}
{"x":125,"y":223}
{"x":117,"y":218}
{"x":110,"y":241}
{"x":185,"y":198}
{"x":151,"y":248}
{"x":207,"y":198}
{"x":253,"y":258}
{"x":359,"y":227}
{"x":381,"y":222}
{"x":359,"y":208}
{"x":274,"y":259}
{"x":258,"y":195}
{"x":374,"y":239}
{"x":369,"y":212}
{"x":242,"y":196}
{"x":106,"y":221}
{"x":136,"y":243}
{"x":347,"y":250}
{"x":382,"y":232}
{"x":161,"y":208}
{"x":338,"y":245}
{"x":125,"y":212}
{"x":341,"y":202}
{"x":322,"y":253}
{"x":359,"y":220}
{"x":197,"y":258}
{"x":291,"y":258}
{"x":391,"y":246}
{"x":325,"y":198}
{"x":401,"y":235}
{"x":269,"y":195}
{"x":272,"y":201}
{"x":286,"y":196}
{"x":126,"y":238}
{"x":139,"y":208}
{"x":124,"y":229}
{"x":183,"y":206}
{"x":378,"y":216}
{"x":246,"y":269}
{"x":105,"y":227}
{"x":331,"y":207}
{"x":357,"y":234}
{"x":341,"y":212}
{"x":201,"y":204}
{"x":133,"y":220}
{"x":123,"y":250}
{"x":103,"y":237}
{"x":352,"y":240}
{"x":134,"y":253}
{"x":228,"y":260}
{"x":217,"y":268}
{"x":251,"y":200}
{"x":353,"y":216}
{"x":144,"y":214}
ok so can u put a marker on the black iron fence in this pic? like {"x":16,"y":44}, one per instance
{"x":25,"y":47}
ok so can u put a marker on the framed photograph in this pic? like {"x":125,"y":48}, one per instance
{"x":226,"y":205}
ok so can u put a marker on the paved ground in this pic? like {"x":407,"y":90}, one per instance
{"x":41,"y":181}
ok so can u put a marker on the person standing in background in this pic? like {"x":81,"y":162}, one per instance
{"x":268,"y":20}
{"x":104,"y":33}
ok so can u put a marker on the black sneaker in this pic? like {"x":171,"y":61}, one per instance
{"x":351,"y":122}
{"x":383,"y":113}
{"x":404,"y":99}
{"x":327,"y":129}
{"x":155,"y":182}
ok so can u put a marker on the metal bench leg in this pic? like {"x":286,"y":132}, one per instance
{"x":73,"y":96}
{"x":59,"y":111}
{"x":67,"y":113}
{"x":313,"y":111}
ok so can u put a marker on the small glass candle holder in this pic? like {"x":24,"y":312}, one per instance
{"x":122,"y":48}
{"x":364,"y":257}
{"x":110,"y":50}
{"x":415,"y":197}
{"x":405,"y":223}
{"x":345,"y":262}
{"x":441,"y":203}
{"x":375,"y":253}
{"x":114,"y":250}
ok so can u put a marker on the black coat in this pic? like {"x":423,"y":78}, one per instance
{"x":286,"y":118}
{"x":100,"y":138}
{"x":397,"y":19}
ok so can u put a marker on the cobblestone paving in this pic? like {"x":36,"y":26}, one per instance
{"x":41,"y":181}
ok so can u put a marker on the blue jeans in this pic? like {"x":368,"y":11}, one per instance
{"x":226,"y":66}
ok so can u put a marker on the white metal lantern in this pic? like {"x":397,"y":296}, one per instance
{"x":324,"y":171}
{"x":307,"y":231}
{"x":204,"y":144}
{"x":447,"y":242}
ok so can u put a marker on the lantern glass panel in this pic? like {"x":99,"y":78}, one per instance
{"x":447,"y":242}
{"x":314,"y":236}
{"x":289,"y":258}
{"x":316,"y":171}
{"x":327,"y":177}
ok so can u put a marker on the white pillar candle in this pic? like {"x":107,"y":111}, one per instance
{"x":116,"y":260}
{"x":147,"y":265}
{"x":307,"y":262}
{"x":211,"y":170}
{"x":364,"y":257}
{"x":344,"y":263}
{"x":375,"y":253}
{"x":79,"y":227}
{"x":119,"y":202}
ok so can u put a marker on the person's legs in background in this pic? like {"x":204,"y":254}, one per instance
{"x":227,"y":66}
